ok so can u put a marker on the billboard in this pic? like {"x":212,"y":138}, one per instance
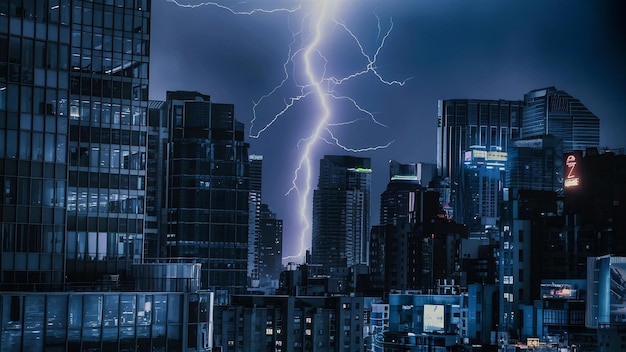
{"x":572,"y":171}
{"x":606,"y":280}
{"x":618,"y":292}
{"x":434,"y":317}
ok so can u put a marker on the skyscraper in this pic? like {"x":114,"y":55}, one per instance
{"x":254,"y":221}
{"x":208,"y":189}
{"x":465,"y":125}
{"x":341,"y":212}
{"x":73,"y":100}
{"x":73,"y":135}
{"x":553,"y":111}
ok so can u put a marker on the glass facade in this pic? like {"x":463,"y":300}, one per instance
{"x":137,"y":321}
{"x":552,"y":111}
{"x":463,"y":124}
{"x":107,"y":107}
{"x":536,"y":164}
{"x":341,"y":212}
{"x":208,"y":189}
{"x":73,"y":97}
{"x":34,"y":94}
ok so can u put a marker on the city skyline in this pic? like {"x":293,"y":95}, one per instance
{"x":449,"y":50}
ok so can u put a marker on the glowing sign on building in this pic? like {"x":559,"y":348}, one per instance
{"x":433,"y":317}
{"x":571,"y":172}
{"x":360,"y":170}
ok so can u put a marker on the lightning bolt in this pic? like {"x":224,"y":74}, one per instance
{"x":306,"y":47}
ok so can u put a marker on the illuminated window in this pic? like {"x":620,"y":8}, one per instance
{"x":308,"y":320}
{"x":269,"y":331}
{"x":307,"y":332}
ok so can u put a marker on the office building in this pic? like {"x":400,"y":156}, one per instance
{"x":73,"y":164}
{"x":341,"y":212}
{"x":465,"y":125}
{"x":73,"y":103}
{"x":553,"y":111}
{"x":207,"y":189}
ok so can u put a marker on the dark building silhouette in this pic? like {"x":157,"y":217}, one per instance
{"x":291,"y":323}
{"x":207,"y":189}
{"x":595,"y":202}
{"x":553,"y":111}
{"x":341,"y":212}
{"x":270,"y":248}
{"x":415,"y":245}
{"x":535,"y":163}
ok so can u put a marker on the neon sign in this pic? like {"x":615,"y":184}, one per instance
{"x":571,"y":178}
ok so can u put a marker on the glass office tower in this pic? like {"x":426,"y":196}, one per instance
{"x":341,"y":212}
{"x":553,"y":111}
{"x":34,"y":93}
{"x":108,"y":97}
{"x":73,"y":95}
{"x":467,"y":125}
{"x":208,"y":189}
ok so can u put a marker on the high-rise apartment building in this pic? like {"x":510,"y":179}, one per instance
{"x":465,"y":125}
{"x":270,"y":247}
{"x":341,"y":212}
{"x":207,"y":189}
{"x":254,"y":220}
{"x":553,"y":111}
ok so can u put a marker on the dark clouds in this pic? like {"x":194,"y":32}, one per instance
{"x":451,"y":49}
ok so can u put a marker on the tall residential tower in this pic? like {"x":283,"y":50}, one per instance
{"x":341,"y":212}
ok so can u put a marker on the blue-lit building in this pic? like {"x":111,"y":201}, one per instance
{"x":73,"y":101}
{"x":106,"y":321}
{"x":464,"y":125}
{"x":419,"y":322}
{"x":606,"y":301}
{"x":73,"y":164}
{"x":555,"y":112}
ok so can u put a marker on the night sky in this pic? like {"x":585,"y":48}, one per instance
{"x":446,"y":50}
